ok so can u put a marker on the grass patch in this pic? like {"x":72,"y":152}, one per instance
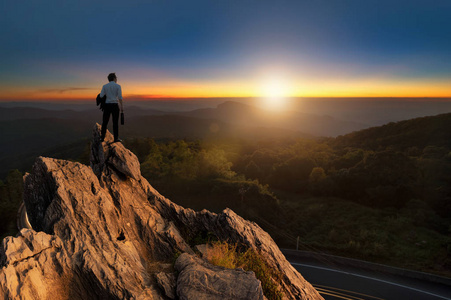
{"x":202,"y":237}
{"x":229,"y":256}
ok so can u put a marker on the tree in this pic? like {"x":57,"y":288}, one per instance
{"x":10,"y":200}
{"x":252,"y":170}
{"x":317,"y":175}
{"x":15,"y":186}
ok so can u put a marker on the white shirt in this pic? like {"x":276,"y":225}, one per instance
{"x":113,"y":92}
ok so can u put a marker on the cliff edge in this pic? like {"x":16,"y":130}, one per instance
{"x":103,"y":232}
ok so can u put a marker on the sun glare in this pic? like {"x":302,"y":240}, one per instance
{"x":274,"y":93}
{"x":274,"y":89}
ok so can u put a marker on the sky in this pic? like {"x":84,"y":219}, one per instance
{"x":58,"y":49}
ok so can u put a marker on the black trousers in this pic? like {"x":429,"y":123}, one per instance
{"x":111,"y":108}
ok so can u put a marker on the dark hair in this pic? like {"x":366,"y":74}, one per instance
{"x":111,"y":76}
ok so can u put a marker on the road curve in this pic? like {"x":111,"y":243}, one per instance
{"x":22,"y":218}
{"x":338,"y":282}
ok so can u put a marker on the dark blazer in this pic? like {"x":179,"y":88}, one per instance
{"x":100,"y":101}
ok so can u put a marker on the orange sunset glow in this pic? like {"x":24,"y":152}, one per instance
{"x":245,"y":88}
{"x":248,"y":50}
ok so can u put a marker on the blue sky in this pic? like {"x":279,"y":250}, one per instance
{"x":160,"y":46}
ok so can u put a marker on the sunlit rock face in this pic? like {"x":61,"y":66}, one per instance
{"x":103,"y":232}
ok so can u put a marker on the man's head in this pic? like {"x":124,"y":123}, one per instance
{"x":112,"y":77}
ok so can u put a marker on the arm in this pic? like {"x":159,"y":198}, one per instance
{"x":119,"y":96}
{"x":102,"y":92}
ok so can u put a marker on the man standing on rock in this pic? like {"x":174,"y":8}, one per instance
{"x":113,"y":93}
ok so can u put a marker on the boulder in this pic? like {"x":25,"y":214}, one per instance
{"x":168,"y":283}
{"x":200,"y":280}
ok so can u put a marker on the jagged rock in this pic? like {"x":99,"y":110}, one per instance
{"x":114,"y":155}
{"x":202,"y":248}
{"x":34,"y":260}
{"x":201,"y":280}
{"x":228,"y":226}
{"x":27,"y":244}
{"x":168,"y":282}
{"x":103,"y":232}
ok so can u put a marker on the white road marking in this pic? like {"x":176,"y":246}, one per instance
{"x":375,"y":279}
{"x":334,"y":289}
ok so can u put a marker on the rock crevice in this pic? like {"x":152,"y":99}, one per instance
{"x":103,"y":232}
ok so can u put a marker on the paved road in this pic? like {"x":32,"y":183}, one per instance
{"x":22,"y":218}
{"x":338,"y":282}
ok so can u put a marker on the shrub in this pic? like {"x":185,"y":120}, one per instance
{"x":230,"y":256}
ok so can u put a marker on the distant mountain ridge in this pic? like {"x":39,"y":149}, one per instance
{"x":230,"y":112}
{"x":29,"y":132}
{"x":239,"y":113}
{"x":19,"y":113}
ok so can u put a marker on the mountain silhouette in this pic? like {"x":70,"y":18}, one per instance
{"x":240,"y":113}
{"x":418,"y":132}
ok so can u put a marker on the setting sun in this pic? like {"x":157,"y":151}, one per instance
{"x":274,"y":88}
{"x":274,"y":92}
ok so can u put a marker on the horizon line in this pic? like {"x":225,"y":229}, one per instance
{"x":169,"y":98}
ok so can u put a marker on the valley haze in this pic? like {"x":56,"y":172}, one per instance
{"x":35,"y":128}
{"x":370,"y":111}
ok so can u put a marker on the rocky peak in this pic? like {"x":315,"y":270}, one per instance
{"x":103,"y":232}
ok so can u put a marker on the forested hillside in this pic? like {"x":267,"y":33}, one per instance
{"x":410,"y":135}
